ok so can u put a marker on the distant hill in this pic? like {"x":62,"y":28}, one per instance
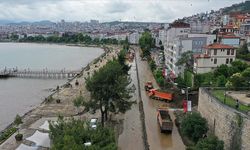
{"x":2,"y":22}
{"x":241,"y":7}
{"x":42,"y":23}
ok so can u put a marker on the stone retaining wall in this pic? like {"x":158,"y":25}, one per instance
{"x":226,"y":123}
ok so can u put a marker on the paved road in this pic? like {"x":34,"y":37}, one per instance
{"x":131,"y":137}
{"x":156,"y":140}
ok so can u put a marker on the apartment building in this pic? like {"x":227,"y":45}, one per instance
{"x":134,"y":37}
{"x":182,"y":44}
{"x":214,"y":55}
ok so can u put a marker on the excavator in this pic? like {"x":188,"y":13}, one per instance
{"x":156,"y":94}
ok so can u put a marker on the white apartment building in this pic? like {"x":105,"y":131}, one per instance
{"x":118,"y":36}
{"x":163,"y":35}
{"x":184,"y":43}
{"x":215,"y":55}
{"x":172,"y":47}
{"x":134,"y":37}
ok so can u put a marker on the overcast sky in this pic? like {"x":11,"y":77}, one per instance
{"x":106,"y":10}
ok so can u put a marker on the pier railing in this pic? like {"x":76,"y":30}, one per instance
{"x":45,"y":73}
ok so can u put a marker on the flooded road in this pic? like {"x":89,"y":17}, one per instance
{"x":131,"y":137}
{"x":156,"y":139}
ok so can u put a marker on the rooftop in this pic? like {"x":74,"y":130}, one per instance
{"x":218,"y":46}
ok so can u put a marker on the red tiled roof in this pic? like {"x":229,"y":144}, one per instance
{"x":230,"y":37}
{"x":218,"y":46}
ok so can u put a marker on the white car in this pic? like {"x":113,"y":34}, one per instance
{"x":93,"y":123}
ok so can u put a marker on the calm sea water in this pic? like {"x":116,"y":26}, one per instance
{"x":19,"y":95}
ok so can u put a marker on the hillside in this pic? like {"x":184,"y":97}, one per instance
{"x":241,"y":7}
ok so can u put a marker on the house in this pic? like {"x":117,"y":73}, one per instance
{"x":214,"y":55}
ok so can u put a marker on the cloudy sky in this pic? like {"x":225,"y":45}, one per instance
{"x":106,"y":10}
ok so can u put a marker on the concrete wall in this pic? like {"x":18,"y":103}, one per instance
{"x":223,"y":121}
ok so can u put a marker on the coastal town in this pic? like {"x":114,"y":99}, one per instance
{"x":183,"y":85}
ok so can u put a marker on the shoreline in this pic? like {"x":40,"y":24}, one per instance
{"x":62,"y":87}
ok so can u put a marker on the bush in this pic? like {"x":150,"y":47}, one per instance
{"x":19,"y":137}
{"x":209,"y":143}
{"x":152,"y":65}
{"x":194,"y":126}
{"x":6,"y":134}
{"x":18,"y":120}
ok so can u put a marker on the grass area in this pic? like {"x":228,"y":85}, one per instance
{"x":219,"y":94}
{"x":6,"y":134}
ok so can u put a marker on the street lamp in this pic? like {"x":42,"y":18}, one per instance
{"x":187,"y":92}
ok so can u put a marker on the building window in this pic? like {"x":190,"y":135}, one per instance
{"x":228,"y":52}
{"x":232,"y":52}
{"x":231,"y":60}
{"x":215,"y":52}
{"x":215,"y":61}
{"x":227,"y":61}
{"x":212,"y":59}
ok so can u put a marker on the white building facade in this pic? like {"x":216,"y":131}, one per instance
{"x":134,"y":37}
{"x":215,"y":55}
{"x":182,"y":44}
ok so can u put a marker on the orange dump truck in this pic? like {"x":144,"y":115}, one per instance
{"x":148,"y":86}
{"x":153,"y":93}
{"x":164,"y":120}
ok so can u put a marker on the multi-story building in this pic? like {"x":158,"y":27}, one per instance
{"x":229,"y":39}
{"x":245,"y":27}
{"x":172,"y":45}
{"x":184,"y":43}
{"x":133,"y":38}
{"x":163,"y":35}
{"x":215,"y":55}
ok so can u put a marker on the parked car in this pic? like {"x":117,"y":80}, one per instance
{"x":93,"y":123}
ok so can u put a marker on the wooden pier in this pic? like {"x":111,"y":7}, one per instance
{"x":26,"y":73}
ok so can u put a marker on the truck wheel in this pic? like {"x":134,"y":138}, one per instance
{"x":162,"y":130}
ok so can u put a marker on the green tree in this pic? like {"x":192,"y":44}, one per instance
{"x":209,"y":143}
{"x":186,"y":59}
{"x":146,"y":42}
{"x":80,"y":37}
{"x":221,"y":81}
{"x":152,"y":65}
{"x":237,"y":81}
{"x":194,"y":126}
{"x":122,"y":61}
{"x":222,"y":70}
{"x":240,"y":65}
{"x":243,"y":50}
{"x":72,"y":134}
{"x":110,"y":90}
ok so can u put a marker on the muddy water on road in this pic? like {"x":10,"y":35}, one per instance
{"x":156,"y":139}
{"x":131,"y":137}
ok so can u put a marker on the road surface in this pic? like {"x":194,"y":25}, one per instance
{"x":131,"y":137}
{"x":156,"y":139}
